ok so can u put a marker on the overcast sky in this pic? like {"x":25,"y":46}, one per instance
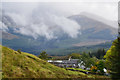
{"x":105,"y":8}
{"x":42,"y":18}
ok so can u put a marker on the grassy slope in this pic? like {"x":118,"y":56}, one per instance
{"x":27,"y":65}
{"x":0,"y":64}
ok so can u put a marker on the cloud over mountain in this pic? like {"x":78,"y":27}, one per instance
{"x":42,"y":20}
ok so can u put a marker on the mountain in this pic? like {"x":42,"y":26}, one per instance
{"x":8,"y":36}
{"x":87,"y":21}
{"x":101,"y":19}
{"x":24,"y":65}
{"x":93,"y":32}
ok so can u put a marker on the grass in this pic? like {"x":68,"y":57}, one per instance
{"x":98,"y":77}
{"x":24,"y":65}
{"x":0,"y":62}
{"x":79,"y":69}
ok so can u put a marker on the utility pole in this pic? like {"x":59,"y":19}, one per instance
{"x":119,"y":31}
{"x":118,"y":21}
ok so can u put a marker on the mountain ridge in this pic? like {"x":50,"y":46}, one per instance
{"x":101,"y":19}
{"x":91,"y":30}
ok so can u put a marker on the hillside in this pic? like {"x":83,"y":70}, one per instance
{"x":17,"y":64}
{"x":25,"y":65}
{"x":100,"y":18}
{"x":93,"y":25}
{"x":78,"y":49}
{"x":8,"y":36}
{"x":93,"y":32}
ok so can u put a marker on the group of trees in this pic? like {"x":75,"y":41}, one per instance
{"x":113,"y":59}
{"x":94,"y":61}
{"x":99,"y":59}
{"x":86,"y":60}
{"x":98,"y":67}
{"x":98,"y":54}
{"x":75,"y":55}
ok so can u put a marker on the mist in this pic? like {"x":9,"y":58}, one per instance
{"x":50,"y":19}
{"x":41,"y":20}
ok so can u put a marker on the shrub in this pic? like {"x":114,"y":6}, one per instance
{"x":43,"y":55}
{"x":100,"y":66}
{"x":93,"y":69}
{"x":19,"y":51}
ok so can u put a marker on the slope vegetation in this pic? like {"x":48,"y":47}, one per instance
{"x":24,"y":65}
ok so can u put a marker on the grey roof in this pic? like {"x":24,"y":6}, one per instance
{"x":71,"y":61}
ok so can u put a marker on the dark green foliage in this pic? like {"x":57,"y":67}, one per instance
{"x":90,"y":54}
{"x":113,"y":59}
{"x":100,"y":66}
{"x":19,"y":51}
{"x":93,"y":49}
{"x":87,"y":60}
{"x":75,"y":55}
{"x":43,"y":55}
{"x":99,"y":53}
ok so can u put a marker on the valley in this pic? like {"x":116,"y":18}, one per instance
{"x":59,"y":40}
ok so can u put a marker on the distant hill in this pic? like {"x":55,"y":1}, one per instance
{"x":93,"y":31}
{"x":8,"y":36}
{"x":92,"y":24}
{"x":79,"y":49}
{"x":25,"y":65}
{"x":101,"y":19}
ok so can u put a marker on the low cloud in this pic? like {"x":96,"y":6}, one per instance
{"x":3,"y":27}
{"x":43,"y":20}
